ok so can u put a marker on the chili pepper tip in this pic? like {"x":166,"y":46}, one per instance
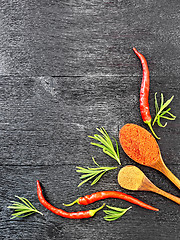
{"x":134,"y":49}
{"x":156,"y":209}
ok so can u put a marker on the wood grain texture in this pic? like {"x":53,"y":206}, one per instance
{"x":45,"y":123}
{"x":67,"y":67}
{"x":60,"y":185}
{"x":88,"y":37}
{"x":48,"y":119}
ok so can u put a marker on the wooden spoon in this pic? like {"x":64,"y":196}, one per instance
{"x":132,"y":178}
{"x":142,"y":147}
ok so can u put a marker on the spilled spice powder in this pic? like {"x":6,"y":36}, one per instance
{"x":139,"y":144}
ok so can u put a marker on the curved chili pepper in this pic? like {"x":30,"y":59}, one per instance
{"x":62,"y":213}
{"x":144,"y":92}
{"x":110,"y":194}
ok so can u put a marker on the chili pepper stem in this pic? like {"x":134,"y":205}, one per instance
{"x":92,"y":212}
{"x":150,"y":126}
{"x":70,"y":204}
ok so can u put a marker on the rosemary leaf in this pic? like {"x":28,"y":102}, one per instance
{"x":86,"y":175}
{"x":162,"y":100}
{"x":98,"y":145}
{"x":172,"y":118}
{"x":97,"y":179}
{"x":117,"y":148}
{"x":106,"y":144}
{"x":84,"y":170}
{"x":90,"y":173}
{"x":23,"y":208}
{"x":167,"y":112}
{"x":156,"y":104}
{"x":106,"y":151}
{"x":160,"y":113}
{"x":86,"y":180}
{"x":160,"y":124}
{"x":115,"y":213}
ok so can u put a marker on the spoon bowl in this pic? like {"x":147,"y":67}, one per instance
{"x":132,"y":178}
{"x":142,"y":147}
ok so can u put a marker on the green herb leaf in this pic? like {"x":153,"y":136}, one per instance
{"x":160,"y":113}
{"x":106,"y":144}
{"x":97,"y":179}
{"x":90,"y":173}
{"x":23,"y":209}
{"x":156,"y":103}
{"x":115,"y":213}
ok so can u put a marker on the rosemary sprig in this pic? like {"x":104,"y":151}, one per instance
{"x":115,"y":213}
{"x":89,"y":173}
{"x":23,"y":209}
{"x":163,"y":114}
{"x":106,"y":144}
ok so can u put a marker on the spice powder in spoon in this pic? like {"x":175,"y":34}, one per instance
{"x":139,"y":144}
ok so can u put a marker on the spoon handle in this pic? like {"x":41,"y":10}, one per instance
{"x":147,"y":185}
{"x":167,"y":195}
{"x":163,"y":168}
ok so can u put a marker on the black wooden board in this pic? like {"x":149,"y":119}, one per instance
{"x":67,"y":67}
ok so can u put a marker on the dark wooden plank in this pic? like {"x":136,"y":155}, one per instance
{"x":45,"y":120}
{"x":68,"y":68}
{"x":59,"y":184}
{"x":88,"y":37}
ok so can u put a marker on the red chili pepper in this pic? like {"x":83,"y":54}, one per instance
{"x":62,"y":213}
{"x":110,"y":194}
{"x":144,"y":92}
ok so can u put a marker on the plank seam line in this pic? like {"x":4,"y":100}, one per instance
{"x":38,"y":165}
{"x":88,"y":75}
{"x":58,"y":165}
